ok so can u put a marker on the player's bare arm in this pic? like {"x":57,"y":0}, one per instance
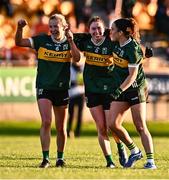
{"x":133,"y":71}
{"x":74,"y":50}
{"x":19,"y":40}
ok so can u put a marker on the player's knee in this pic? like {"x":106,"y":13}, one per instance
{"x":61,"y":130}
{"x":141,"y":129}
{"x":46,"y":125}
{"x":115,"y":126}
{"x":102,"y":131}
{"x":109,"y":129}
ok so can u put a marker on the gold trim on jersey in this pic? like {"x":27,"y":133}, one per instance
{"x":98,"y":59}
{"x":51,"y":55}
{"x":123,"y":63}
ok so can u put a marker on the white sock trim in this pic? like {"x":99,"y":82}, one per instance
{"x":150,"y":161}
{"x":134,"y":150}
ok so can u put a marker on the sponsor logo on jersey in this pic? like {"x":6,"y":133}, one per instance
{"x":60,"y":84}
{"x":121,"y":53}
{"x":123,"y":63}
{"x":97,"y":50}
{"x":47,"y":44}
{"x":57,"y":48}
{"x":51,"y":55}
{"x":65,"y":99}
{"x":65,"y":47}
{"x":39,"y":91}
{"x":98,"y":60}
{"x":135,"y":85}
{"x":134,"y":98}
{"x":89,"y":47}
{"x":105,"y":87}
{"x":104,"y":50}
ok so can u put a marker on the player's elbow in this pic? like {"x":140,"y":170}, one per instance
{"x":18,"y":42}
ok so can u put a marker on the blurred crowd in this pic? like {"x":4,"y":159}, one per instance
{"x":151,"y":15}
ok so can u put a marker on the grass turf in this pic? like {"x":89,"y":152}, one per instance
{"x":21,"y":155}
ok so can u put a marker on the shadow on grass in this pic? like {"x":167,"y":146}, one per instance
{"x":15,"y":128}
{"x":8,"y":131}
{"x":35,"y":132}
{"x":20,"y":158}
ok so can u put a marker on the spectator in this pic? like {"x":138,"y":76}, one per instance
{"x":41,"y":27}
{"x":76,"y":99}
{"x":162,"y":17}
{"x":87,"y":8}
{"x":8,"y":7}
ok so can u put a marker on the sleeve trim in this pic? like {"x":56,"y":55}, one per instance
{"x":31,"y":42}
{"x":133,"y":65}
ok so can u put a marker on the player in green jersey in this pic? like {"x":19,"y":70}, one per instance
{"x":97,"y":80}
{"x":130,"y":90}
{"x":54,"y":53}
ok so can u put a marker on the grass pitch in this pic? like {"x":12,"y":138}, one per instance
{"x":20,"y":156}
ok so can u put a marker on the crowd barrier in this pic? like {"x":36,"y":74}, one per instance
{"x":17,"y":94}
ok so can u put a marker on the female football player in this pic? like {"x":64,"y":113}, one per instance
{"x":97,"y":49}
{"x":54,"y":53}
{"x":130,"y":90}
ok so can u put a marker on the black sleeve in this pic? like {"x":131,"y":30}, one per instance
{"x":80,"y":38}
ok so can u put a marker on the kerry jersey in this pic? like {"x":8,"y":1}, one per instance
{"x":53,"y":71}
{"x":128,"y":55}
{"x":99,"y":59}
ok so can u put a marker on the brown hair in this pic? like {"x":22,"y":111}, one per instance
{"x":95,"y":19}
{"x":129,"y":27}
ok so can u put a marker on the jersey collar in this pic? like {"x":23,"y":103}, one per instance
{"x":125,"y":43}
{"x":58,"y":42}
{"x":99,"y":43}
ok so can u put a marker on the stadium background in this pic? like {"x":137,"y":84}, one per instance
{"x":19,"y":116}
{"x":16,"y":92}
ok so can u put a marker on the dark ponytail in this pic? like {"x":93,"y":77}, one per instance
{"x":129,"y":27}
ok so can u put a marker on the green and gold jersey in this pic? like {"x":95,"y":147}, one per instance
{"x":128,"y":55}
{"x":98,"y":61}
{"x":53,"y":71}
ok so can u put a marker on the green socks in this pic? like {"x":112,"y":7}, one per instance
{"x":133,"y":148}
{"x":120,"y":146}
{"x":150,"y":157}
{"x":109,"y":159}
{"x":60,"y":155}
{"x":45,"y":154}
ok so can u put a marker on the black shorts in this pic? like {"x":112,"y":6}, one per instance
{"x":58,"y":98}
{"x":96,"y":99}
{"x":133,"y":97}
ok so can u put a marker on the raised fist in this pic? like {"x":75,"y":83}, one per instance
{"x":22,"y":23}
